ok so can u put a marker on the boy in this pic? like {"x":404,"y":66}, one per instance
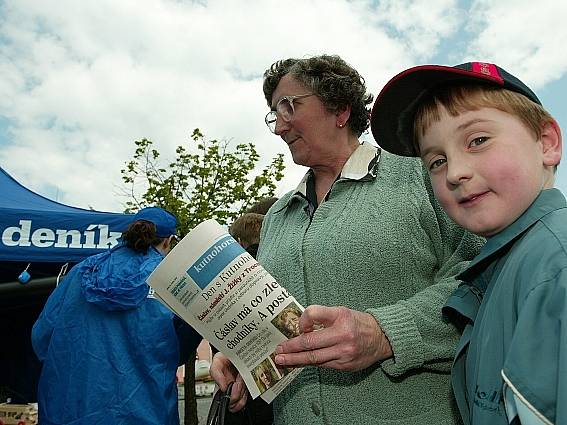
{"x":491,"y":151}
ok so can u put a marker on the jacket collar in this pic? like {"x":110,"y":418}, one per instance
{"x":547,"y":201}
{"x":361,"y":166}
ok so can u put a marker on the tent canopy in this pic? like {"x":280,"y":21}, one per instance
{"x":37,"y":230}
{"x":46,"y":235}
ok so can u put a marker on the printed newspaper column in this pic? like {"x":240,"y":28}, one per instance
{"x":232,"y":301}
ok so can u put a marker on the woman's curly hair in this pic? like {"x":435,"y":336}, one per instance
{"x":334,"y":81}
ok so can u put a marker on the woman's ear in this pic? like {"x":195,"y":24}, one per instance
{"x":551,"y":143}
{"x":343,"y":116}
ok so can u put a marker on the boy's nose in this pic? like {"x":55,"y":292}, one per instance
{"x":458,"y":172}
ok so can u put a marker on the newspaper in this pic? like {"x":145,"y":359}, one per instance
{"x":213,"y":284}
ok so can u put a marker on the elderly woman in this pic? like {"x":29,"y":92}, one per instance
{"x":364,"y":245}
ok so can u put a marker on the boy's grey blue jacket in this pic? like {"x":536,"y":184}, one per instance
{"x":514,"y":344}
{"x":110,"y":350}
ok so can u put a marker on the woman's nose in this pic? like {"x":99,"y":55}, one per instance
{"x":281,"y":126}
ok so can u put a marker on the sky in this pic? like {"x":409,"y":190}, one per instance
{"x":80,"y":81}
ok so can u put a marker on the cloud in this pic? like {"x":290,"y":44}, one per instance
{"x":83,"y":81}
{"x":526,"y":37}
{"x":80,"y":81}
{"x":421,"y":25}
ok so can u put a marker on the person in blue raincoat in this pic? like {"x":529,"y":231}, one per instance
{"x":109,"y":349}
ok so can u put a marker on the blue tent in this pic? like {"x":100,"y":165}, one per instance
{"x":35,"y":229}
{"x":45,"y":235}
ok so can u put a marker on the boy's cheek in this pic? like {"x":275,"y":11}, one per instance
{"x":436,"y":183}
{"x":443,"y":196}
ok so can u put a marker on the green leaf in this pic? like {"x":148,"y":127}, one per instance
{"x":206,"y":179}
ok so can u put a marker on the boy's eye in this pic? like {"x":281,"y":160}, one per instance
{"x":437,"y":163}
{"x":477,"y":141}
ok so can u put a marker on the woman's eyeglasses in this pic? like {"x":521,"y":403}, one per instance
{"x":284,"y":110}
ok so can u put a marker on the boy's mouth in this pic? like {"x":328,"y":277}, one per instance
{"x":472,"y":198}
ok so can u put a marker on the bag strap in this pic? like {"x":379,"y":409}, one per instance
{"x":219,"y":406}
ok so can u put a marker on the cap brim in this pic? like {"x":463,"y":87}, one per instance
{"x":401,"y":92}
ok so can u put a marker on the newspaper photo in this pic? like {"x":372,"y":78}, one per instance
{"x":217,"y":287}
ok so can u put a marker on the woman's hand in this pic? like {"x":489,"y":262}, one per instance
{"x":223,"y":372}
{"x":337,"y":338}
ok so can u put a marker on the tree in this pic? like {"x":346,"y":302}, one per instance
{"x":214,"y":182}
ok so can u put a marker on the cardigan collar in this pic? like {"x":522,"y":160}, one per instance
{"x":361,"y":166}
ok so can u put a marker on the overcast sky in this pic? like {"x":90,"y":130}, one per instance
{"x":81,"y":80}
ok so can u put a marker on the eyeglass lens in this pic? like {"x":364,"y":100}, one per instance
{"x":284,"y":109}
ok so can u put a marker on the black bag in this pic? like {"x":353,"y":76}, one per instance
{"x":219,"y":414}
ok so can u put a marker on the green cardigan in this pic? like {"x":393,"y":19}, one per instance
{"x":381,"y":245}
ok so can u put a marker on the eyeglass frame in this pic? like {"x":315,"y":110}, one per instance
{"x":274,"y":112}
{"x":174,"y":240}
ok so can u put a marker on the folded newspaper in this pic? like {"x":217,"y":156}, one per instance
{"x":213,"y":284}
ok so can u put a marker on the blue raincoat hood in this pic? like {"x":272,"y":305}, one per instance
{"x":116,"y":279}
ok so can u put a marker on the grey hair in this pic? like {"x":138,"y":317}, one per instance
{"x":337,"y":84}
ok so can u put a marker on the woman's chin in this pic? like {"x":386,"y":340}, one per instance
{"x":298,"y":157}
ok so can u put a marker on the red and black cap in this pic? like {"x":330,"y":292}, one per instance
{"x":394,"y":110}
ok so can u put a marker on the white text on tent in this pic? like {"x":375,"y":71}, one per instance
{"x":60,"y":238}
